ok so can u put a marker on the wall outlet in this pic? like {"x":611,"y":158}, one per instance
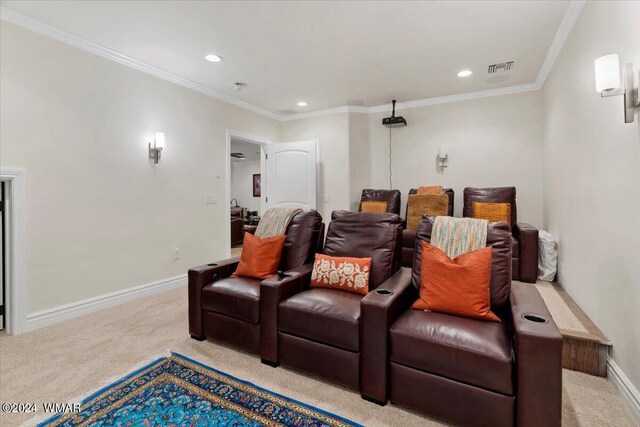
{"x":176,"y":253}
{"x":210,"y":199}
{"x":561,"y":270}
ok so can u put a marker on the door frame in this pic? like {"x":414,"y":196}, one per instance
{"x":16,"y":248}
{"x":254,"y":140}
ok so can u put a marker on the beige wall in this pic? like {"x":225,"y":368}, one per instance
{"x":101,"y":216}
{"x":592,"y":178}
{"x":491,"y":142}
{"x":332,"y":133}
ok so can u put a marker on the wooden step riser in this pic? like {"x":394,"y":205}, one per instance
{"x":585,"y":356}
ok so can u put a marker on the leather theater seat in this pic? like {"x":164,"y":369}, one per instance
{"x":226,"y":308}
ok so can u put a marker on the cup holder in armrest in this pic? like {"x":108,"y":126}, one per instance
{"x":212,"y":264}
{"x":383,"y":292}
{"x":534,"y":318}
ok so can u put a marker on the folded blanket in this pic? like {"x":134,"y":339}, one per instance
{"x":275,"y":221}
{"x":456,"y":236}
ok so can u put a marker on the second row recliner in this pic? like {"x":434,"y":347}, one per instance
{"x":524,"y":236}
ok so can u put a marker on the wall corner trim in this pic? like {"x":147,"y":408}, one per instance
{"x":566,"y":25}
{"x":72,"y":310}
{"x":627,"y":391}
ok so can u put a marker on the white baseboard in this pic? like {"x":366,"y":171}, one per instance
{"x":53,"y":315}
{"x":625,"y":389}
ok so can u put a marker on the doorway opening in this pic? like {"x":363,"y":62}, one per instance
{"x":245,"y":183}
{"x":3,"y":257}
{"x":14,"y":249}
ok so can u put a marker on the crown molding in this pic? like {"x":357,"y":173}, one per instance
{"x":326,"y":112}
{"x":457,"y":98}
{"x":70,"y":39}
{"x":566,"y":25}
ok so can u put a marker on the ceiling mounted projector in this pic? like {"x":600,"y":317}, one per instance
{"x":393,"y":121}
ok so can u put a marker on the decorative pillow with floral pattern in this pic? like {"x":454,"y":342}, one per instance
{"x":348,"y":274}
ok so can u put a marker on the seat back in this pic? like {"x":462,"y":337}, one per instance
{"x":392,"y":197}
{"x":499,"y":238}
{"x":448,"y":191}
{"x":367,"y":235}
{"x":303,"y":234}
{"x":490,"y":195}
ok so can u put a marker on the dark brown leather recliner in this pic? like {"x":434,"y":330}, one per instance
{"x":392,"y":197}
{"x":334,"y":333}
{"x":227,"y":308}
{"x":525,"y":236}
{"x":409,"y":236}
{"x":475,"y":372}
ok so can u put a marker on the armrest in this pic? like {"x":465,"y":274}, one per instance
{"x":377,"y":312}
{"x":538,"y":358}
{"x":272,"y":291}
{"x":527,"y":235}
{"x":199,"y":277}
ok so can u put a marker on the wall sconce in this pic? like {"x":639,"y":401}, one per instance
{"x":608,"y":83}
{"x":443,"y":158}
{"x":156,"y":148}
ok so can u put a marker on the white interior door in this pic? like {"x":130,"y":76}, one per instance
{"x":291,"y":175}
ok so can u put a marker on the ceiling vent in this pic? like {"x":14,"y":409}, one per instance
{"x":239,"y":156}
{"x":287,"y":112}
{"x":503,"y":66}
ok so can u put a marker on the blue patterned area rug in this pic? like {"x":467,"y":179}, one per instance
{"x":178,"y":391}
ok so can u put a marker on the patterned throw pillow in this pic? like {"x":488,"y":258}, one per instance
{"x":348,"y":274}
{"x":492,"y":212}
{"x":373,"y":206}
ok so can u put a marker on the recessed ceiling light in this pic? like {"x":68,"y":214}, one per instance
{"x":465,"y":73}
{"x":213,"y":58}
{"x":302,"y":104}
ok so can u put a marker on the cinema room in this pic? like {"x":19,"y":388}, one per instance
{"x":319,"y":213}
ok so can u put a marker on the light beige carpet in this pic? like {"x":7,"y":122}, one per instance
{"x":70,"y":359}
{"x":560,"y":311}
{"x":236,"y":251}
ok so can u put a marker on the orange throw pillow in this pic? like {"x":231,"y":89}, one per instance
{"x":459,"y":286}
{"x":260,"y":257}
{"x":492,"y":212}
{"x":430,"y":189}
{"x":348,"y":274}
{"x":373,"y":206}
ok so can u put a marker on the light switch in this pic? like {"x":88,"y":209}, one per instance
{"x":210,"y":199}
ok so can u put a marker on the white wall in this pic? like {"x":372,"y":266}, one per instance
{"x":101,"y":217}
{"x":332,"y":133}
{"x":491,"y":142}
{"x":242,"y":183}
{"x":592,"y":178}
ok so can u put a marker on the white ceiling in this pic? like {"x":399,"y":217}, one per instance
{"x":326,"y":53}
{"x":250,"y":151}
